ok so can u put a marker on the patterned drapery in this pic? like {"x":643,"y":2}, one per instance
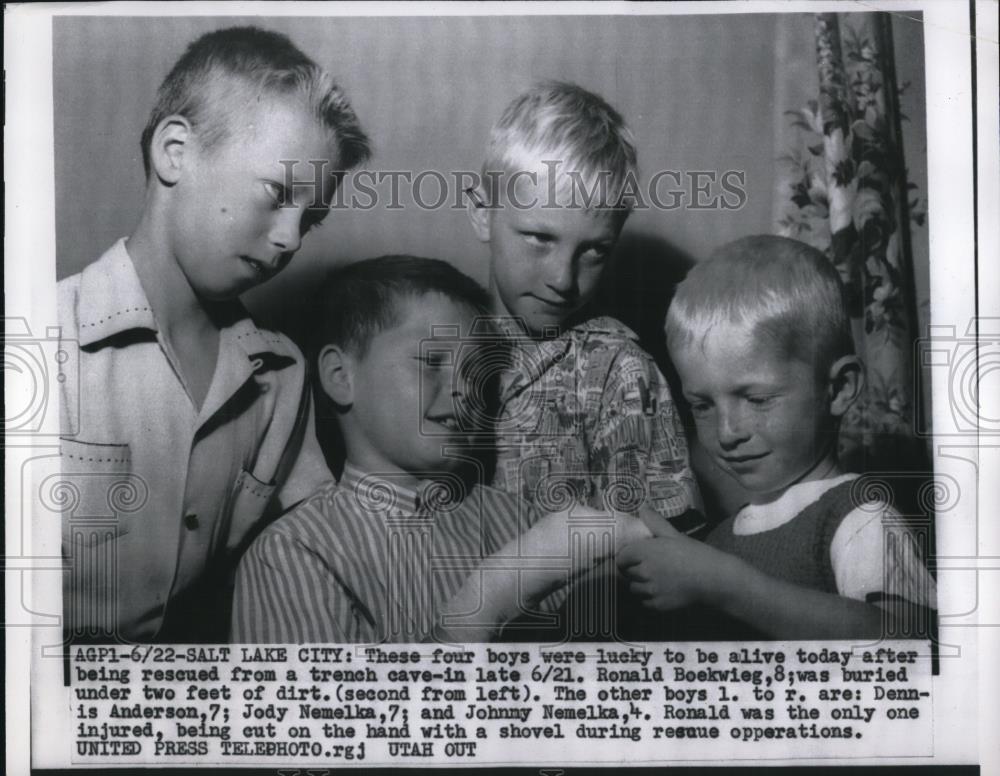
{"x":849,"y":198}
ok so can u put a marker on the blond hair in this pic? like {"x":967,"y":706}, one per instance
{"x":573,"y":131}
{"x":779,"y":288}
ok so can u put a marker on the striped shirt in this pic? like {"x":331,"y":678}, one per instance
{"x":368,"y":560}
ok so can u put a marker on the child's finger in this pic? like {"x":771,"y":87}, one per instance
{"x":628,"y":529}
{"x":628,"y":557}
{"x":657,"y":523}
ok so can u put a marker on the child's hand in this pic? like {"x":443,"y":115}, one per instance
{"x":517,"y":574}
{"x":551,"y":535}
{"x":657,"y":524}
{"x":672,"y":571}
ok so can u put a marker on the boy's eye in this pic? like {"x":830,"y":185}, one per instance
{"x":313,"y":217}
{"x":596,"y":255}
{"x":699,"y":408}
{"x":537,"y":239}
{"x":760,"y":401}
{"x":436,"y":358}
{"x":275,"y":191}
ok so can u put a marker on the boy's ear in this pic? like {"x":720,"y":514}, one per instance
{"x":171,"y":139}
{"x":336,"y":374}
{"x":847,"y":378}
{"x":478,"y":212}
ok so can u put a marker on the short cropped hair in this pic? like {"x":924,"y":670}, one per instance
{"x":362,"y":299}
{"x":780,"y":288}
{"x":224,"y":71}
{"x":564,"y":123}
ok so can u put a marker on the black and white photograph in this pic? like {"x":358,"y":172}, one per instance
{"x":501,"y":385}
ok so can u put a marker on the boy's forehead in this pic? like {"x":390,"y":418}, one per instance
{"x":552,"y":185}
{"x":591,"y":224}
{"x":281,"y":140}
{"x":283,"y":125}
{"x":743,"y":351}
{"x":433,"y":315}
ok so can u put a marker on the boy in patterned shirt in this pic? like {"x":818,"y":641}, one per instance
{"x":584,"y":414}
{"x":583,"y":410}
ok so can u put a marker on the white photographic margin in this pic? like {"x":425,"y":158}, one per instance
{"x":29,"y":264}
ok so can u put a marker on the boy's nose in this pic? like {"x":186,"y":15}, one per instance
{"x":459,"y":387}
{"x":561,"y":276}
{"x":285,"y":234}
{"x":446,"y":393}
{"x":732,"y":429}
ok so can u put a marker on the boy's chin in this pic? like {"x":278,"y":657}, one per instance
{"x":447,"y":469}
{"x":763,"y":491}
{"x":227,"y":293}
{"x":439,"y":463}
{"x":755,"y":487}
{"x":543,"y":324}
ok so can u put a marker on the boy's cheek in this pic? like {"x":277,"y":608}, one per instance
{"x":705,"y":430}
{"x":590,"y":279}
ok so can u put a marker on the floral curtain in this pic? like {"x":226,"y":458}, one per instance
{"x":848,"y":195}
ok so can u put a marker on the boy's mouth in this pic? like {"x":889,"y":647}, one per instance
{"x":738,"y":460}
{"x":450,"y":422}
{"x":560,"y":305}
{"x":259,"y":268}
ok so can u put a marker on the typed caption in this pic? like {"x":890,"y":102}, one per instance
{"x":322,"y":705}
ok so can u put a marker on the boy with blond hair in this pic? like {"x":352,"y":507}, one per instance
{"x":584,"y":414}
{"x":584,"y":411}
{"x":176,"y":387}
{"x":761,"y":340}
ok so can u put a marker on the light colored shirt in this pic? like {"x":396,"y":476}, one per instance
{"x":166,"y":493}
{"x":369,"y":560}
{"x":587,"y":415}
{"x":871,"y":552}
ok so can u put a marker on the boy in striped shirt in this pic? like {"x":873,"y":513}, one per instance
{"x":378,"y":556}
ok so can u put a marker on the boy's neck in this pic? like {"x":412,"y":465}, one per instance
{"x":825,"y":468}
{"x":189,"y":334}
{"x":519,"y":326}
{"x":175,"y":304}
{"x":368,"y":467}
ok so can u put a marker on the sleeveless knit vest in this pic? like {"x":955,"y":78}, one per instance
{"x":797,"y":552}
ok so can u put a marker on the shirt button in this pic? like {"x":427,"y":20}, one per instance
{"x":191,"y":522}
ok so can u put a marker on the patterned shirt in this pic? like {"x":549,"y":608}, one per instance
{"x":588,"y":416}
{"x":368,"y":560}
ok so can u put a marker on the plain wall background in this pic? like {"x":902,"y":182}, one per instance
{"x":701,"y":93}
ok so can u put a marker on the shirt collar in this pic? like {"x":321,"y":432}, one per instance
{"x":532,"y":358}
{"x":379,"y":493}
{"x":111,"y":298}
{"x":514,"y":327}
{"x":112,"y":301}
{"x":756,"y":518}
{"x":382,"y":494}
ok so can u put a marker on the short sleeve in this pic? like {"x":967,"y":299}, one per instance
{"x":873,"y":553}
{"x":285,"y":594}
{"x":639,"y":439}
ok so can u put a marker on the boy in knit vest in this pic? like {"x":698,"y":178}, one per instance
{"x":761,"y":340}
